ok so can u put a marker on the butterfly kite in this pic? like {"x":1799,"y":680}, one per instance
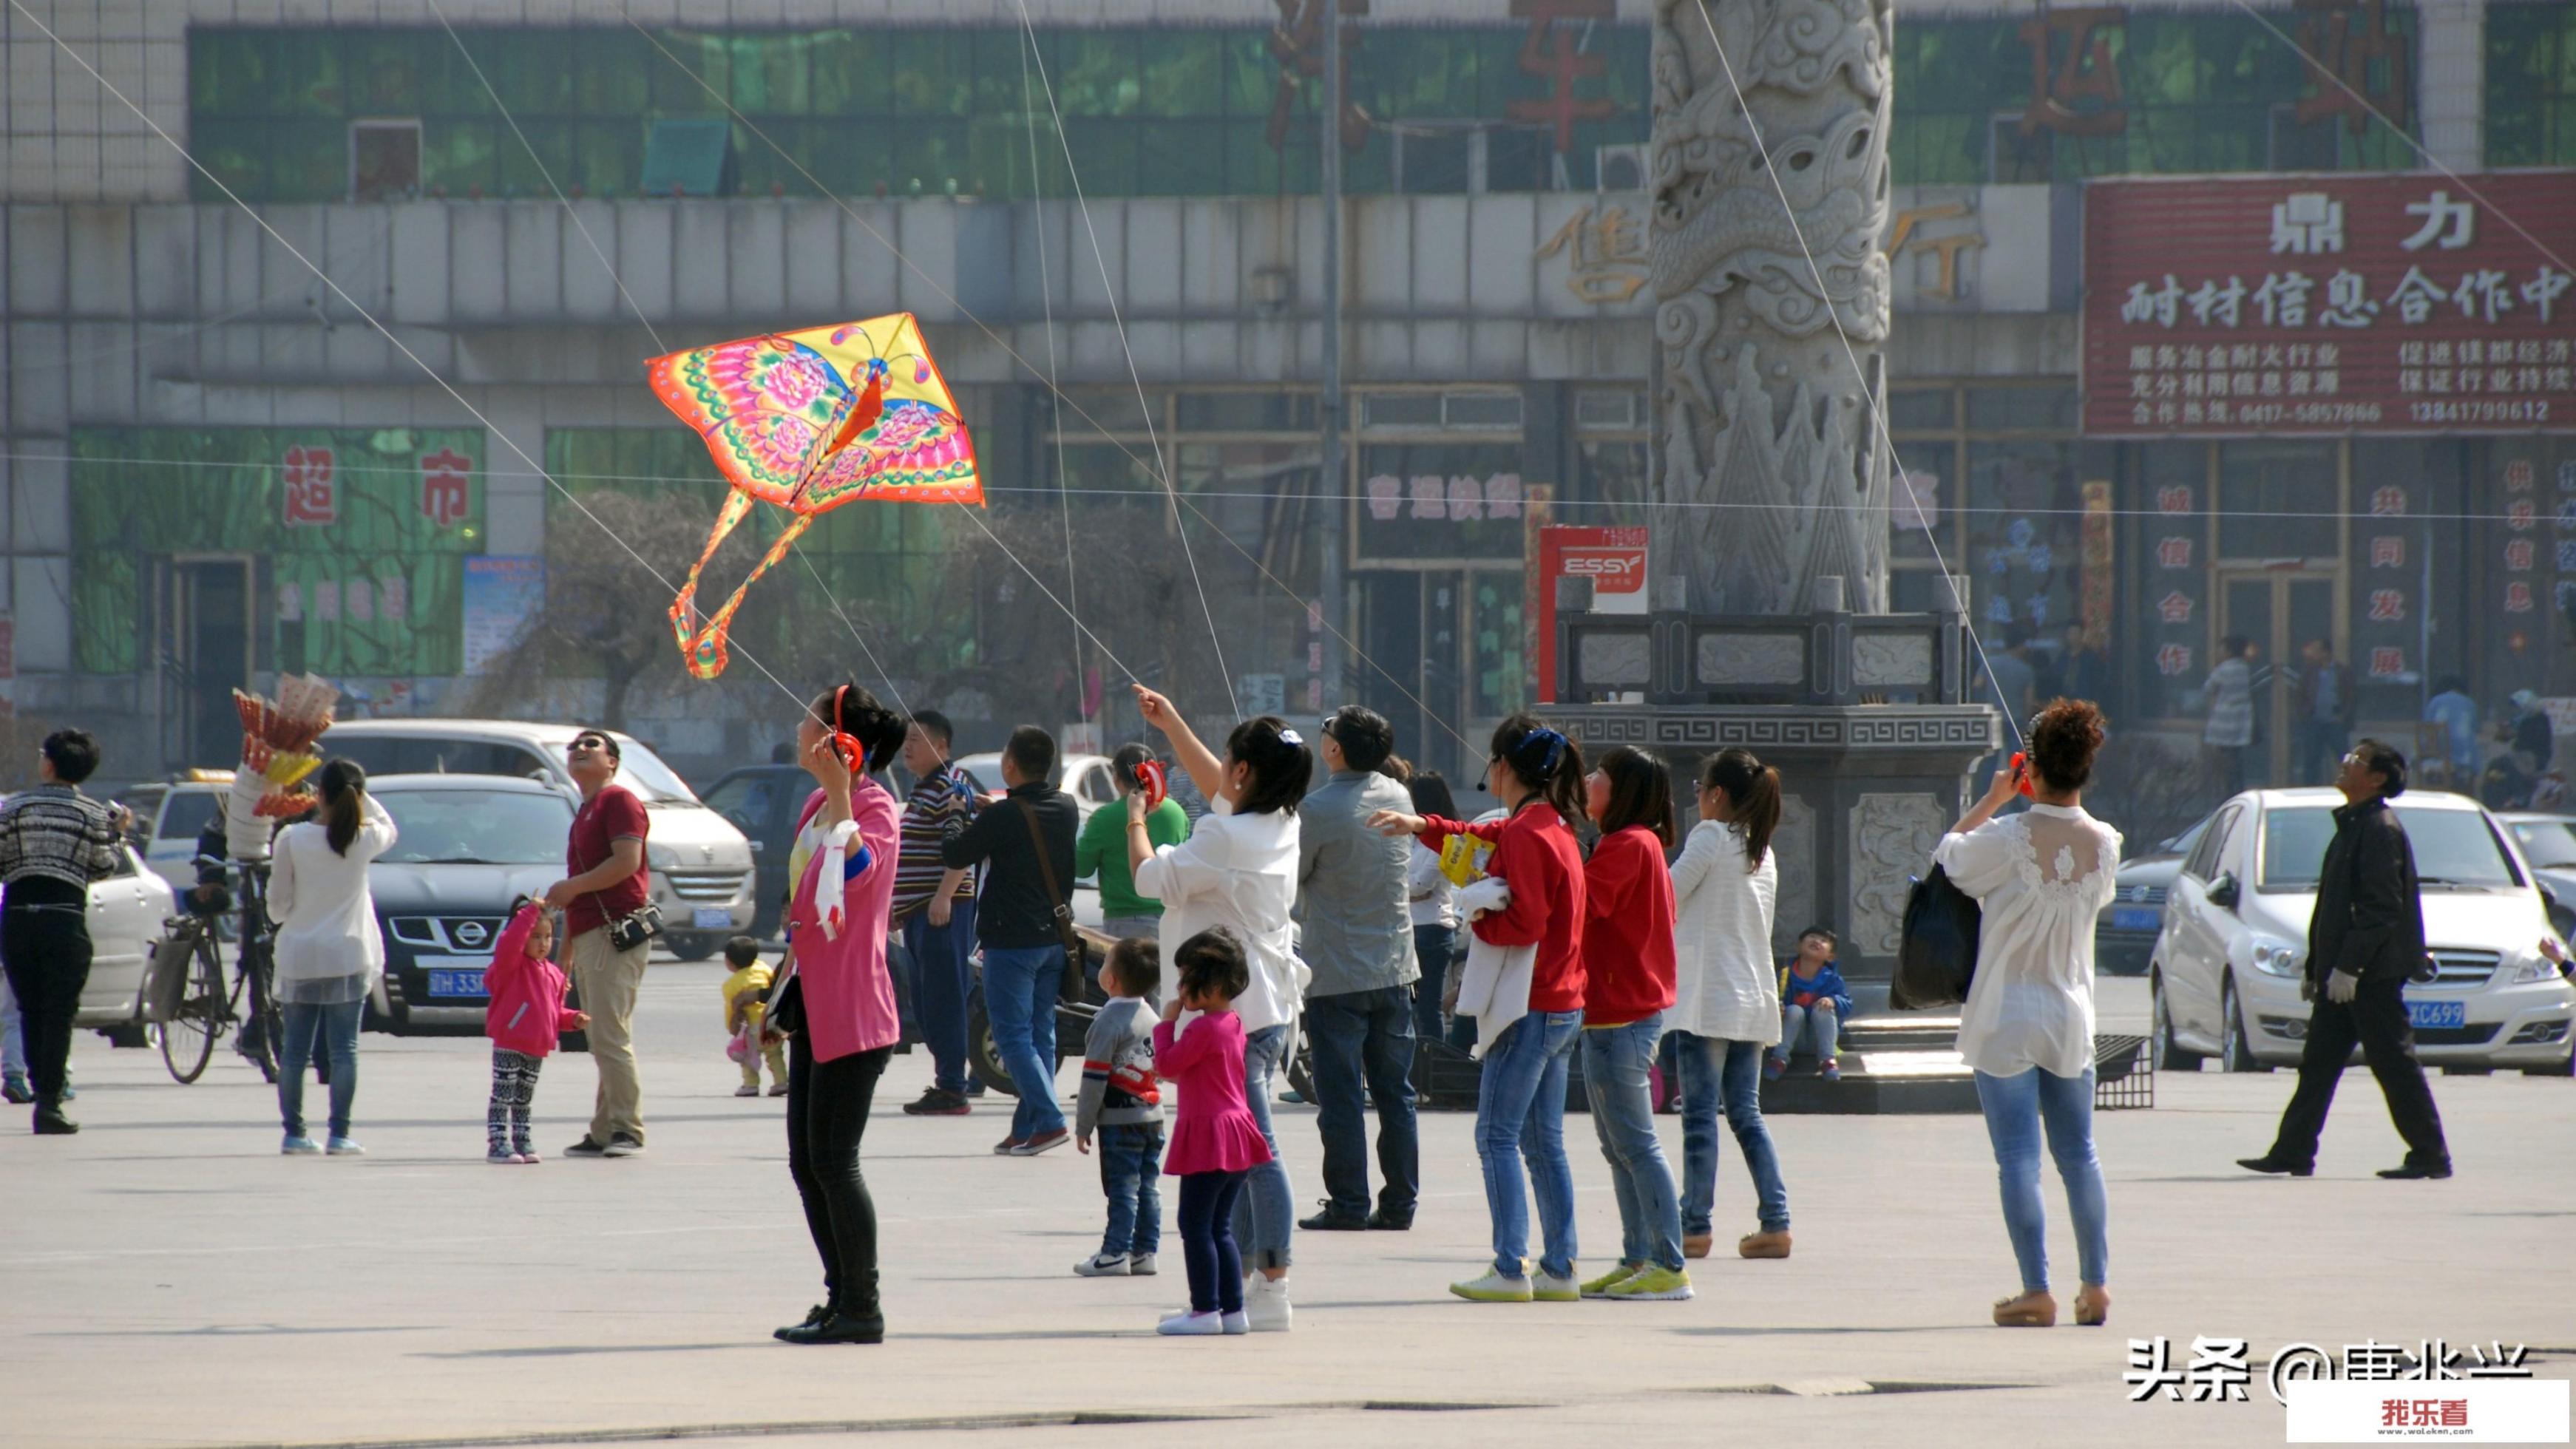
{"x":809,"y":421}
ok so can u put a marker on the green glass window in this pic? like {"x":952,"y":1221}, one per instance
{"x":2531,"y":85}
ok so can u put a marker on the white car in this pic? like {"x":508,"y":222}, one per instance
{"x":2226,"y":968}
{"x":1084,"y":777}
{"x":126,"y":912}
{"x":701,"y":865}
{"x":168,"y":818}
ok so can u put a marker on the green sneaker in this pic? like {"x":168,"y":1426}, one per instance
{"x":1545,"y":1289}
{"x":1600,"y":1287}
{"x":1653,"y":1284}
{"x":1493,"y":1288}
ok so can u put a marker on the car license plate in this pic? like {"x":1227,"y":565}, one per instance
{"x":2136,"y":918}
{"x":712,"y":918}
{"x":456,"y":983}
{"x":2437,"y":1013}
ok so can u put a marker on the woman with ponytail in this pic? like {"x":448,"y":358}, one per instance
{"x":843,"y":1013}
{"x":328,"y":949}
{"x":1537,"y":774}
{"x":1238,"y":870}
{"x":1728,"y":1006}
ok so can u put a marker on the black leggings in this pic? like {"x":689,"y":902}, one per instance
{"x":1207,"y":1240}
{"x":44,"y":936}
{"x":827,"y":1114}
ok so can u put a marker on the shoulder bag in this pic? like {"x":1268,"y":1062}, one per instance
{"x":1936,"y":956}
{"x":1076,"y":984}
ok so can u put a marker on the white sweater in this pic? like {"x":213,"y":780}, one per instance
{"x":1728,"y":986}
{"x":326,"y":917}
{"x":1239,"y":872}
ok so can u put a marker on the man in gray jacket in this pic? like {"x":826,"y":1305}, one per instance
{"x":1358,"y":940}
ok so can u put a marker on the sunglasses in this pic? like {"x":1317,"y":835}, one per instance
{"x":584,"y":745}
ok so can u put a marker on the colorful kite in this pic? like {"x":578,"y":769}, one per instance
{"x":809,"y":421}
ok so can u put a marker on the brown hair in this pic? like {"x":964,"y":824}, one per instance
{"x":1138,"y":960}
{"x":344,"y":793}
{"x":1641,"y":793}
{"x":1753,"y":788}
{"x":2063,"y":737}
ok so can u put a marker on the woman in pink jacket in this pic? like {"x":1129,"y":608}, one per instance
{"x":842,"y":1018}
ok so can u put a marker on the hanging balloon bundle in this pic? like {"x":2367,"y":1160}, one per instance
{"x":277,"y":757}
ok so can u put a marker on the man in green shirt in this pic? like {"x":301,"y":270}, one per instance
{"x":1102,"y":847}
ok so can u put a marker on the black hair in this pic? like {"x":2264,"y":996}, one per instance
{"x":1431,"y":794}
{"x":1031,"y":751}
{"x":607,"y":743}
{"x":1543,"y":760}
{"x":1364,"y":735}
{"x":1753,"y":788}
{"x":741,"y":951}
{"x":1138,"y":960}
{"x":2063,"y":737}
{"x":1819,"y":929}
{"x":344,"y":793}
{"x":853,"y":711}
{"x":935,"y":725}
{"x":1641,"y":793}
{"x":1122,"y":765}
{"x":2016,"y":635}
{"x":2449,"y":684}
{"x":1281,"y":765}
{"x":2234,"y":646}
{"x":1212,"y":963}
{"x":2387,"y":762}
{"x":74,"y":754}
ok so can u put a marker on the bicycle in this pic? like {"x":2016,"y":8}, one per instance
{"x":205,"y":1004}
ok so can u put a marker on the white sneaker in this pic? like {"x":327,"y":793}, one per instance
{"x":1102,"y":1265}
{"x":1140,"y":1265}
{"x":343,"y":1147}
{"x":746,"y":1091}
{"x":1192,"y":1325}
{"x":1236,"y":1323}
{"x":1266,"y":1304}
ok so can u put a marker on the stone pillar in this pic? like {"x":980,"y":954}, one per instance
{"x":1763,"y":408}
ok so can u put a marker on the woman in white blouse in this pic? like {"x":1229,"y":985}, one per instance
{"x":2027,"y":1027}
{"x":1727,"y":1007}
{"x":328,"y":950}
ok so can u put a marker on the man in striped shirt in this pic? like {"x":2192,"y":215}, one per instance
{"x":54,"y":841}
{"x":934,"y":907}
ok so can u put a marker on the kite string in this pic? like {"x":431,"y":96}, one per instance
{"x":1046,"y":295}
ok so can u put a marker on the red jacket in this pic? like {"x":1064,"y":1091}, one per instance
{"x":1535,"y":854}
{"x":1628,"y":965}
{"x":527,"y":1010}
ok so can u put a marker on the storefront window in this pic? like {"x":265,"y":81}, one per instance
{"x":1428,"y":501}
{"x":2024,"y":535}
{"x":2531,"y":85}
{"x":2278,"y":500}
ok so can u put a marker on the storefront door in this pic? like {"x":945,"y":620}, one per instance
{"x":2280,"y":610}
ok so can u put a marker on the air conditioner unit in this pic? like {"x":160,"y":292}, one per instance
{"x":1620,"y":168}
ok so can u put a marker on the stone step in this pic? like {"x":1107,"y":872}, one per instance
{"x":1902,"y":1031}
{"x":1876,"y":1082}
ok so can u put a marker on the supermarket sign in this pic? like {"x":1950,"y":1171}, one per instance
{"x":2329,"y":304}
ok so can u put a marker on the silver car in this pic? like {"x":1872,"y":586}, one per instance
{"x":2227,"y":965}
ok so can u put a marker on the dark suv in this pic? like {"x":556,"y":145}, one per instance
{"x":469,"y":845}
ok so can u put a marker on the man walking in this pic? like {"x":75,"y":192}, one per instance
{"x":934,"y":907}
{"x":1025,"y":842}
{"x":2326,"y":707}
{"x":608,"y":884}
{"x":1358,"y":939}
{"x":2365,"y":940}
{"x":54,"y":841}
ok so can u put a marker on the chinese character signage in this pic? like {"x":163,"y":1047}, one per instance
{"x":2326,"y":304}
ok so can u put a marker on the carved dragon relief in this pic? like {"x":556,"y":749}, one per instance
{"x":1763,"y":413}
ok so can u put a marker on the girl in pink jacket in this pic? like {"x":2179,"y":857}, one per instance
{"x":526,"y":1020}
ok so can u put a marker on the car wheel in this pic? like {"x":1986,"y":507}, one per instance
{"x":2240,"y":1050}
{"x":128,"y":1036}
{"x":983,"y":1057}
{"x":2169,"y":1054}
{"x":2460,"y":1071}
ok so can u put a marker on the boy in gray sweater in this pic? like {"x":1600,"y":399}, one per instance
{"x":1120,"y":1099}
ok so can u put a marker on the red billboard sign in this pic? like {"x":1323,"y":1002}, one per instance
{"x":2329,"y":304}
{"x":1614,"y":559}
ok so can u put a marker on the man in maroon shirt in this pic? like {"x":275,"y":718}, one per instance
{"x":606,"y":858}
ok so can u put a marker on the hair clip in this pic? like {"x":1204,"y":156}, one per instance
{"x":1291,"y":737}
{"x":1555,"y":747}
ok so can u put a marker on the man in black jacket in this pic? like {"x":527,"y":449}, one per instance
{"x":2364,"y":942}
{"x":1016,"y":921}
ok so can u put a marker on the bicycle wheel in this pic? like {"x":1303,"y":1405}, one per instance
{"x":188,"y":1037}
{"x":272,"y":1019}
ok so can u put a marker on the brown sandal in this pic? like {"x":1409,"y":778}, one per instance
{"x":2092,"y":1305}
{"x":2030,"y":1310}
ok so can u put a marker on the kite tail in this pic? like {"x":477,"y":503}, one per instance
{"x":703,"y":649}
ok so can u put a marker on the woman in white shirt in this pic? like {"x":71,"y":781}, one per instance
{"x":328,"y":950}
{"x":1238,"y":869}
{"x":1727,"y":1006}
{"x":1433,"y":902}
{"x":2027,"y":1027}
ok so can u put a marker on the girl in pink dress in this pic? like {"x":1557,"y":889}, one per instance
{"x":1198,"y":1049}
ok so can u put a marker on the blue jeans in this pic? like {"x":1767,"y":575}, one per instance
{"x":2017,"y":1107}
{"x":943,"y":972}
{"x":336,"y":1027}
{"x":13,"y":1038}
{"x":1717,"y":1074}
{"x":1520,"y":1116}
{"x":1020,"y":985}
{"x":1131,"y":1158}
{"x":1432,"y":947}
{"x":1615,"y":1063}
{"x":1366,"y":1037}
{"x":1265,"y":1212}
{"x":1814,"y":1026}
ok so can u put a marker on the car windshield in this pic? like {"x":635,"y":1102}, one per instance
{"x":186,"y":813}
{"x":642,"y":771}
{"x":2452,"y":847}
{"x":2547,"y":842}
{"x":477,"y":827}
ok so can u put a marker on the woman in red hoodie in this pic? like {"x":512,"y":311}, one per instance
{"x":1628,"y":985}
{"x":1537,"y":774}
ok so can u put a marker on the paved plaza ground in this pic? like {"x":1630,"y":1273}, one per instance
{"x":167,"y":1279}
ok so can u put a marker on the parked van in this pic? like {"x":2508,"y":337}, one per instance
{"x":701,"y":865}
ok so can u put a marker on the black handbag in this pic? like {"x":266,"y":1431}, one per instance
{"x":786,"y":1013}
{"x":1936,"y":955}
{"x":636,"y":927}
